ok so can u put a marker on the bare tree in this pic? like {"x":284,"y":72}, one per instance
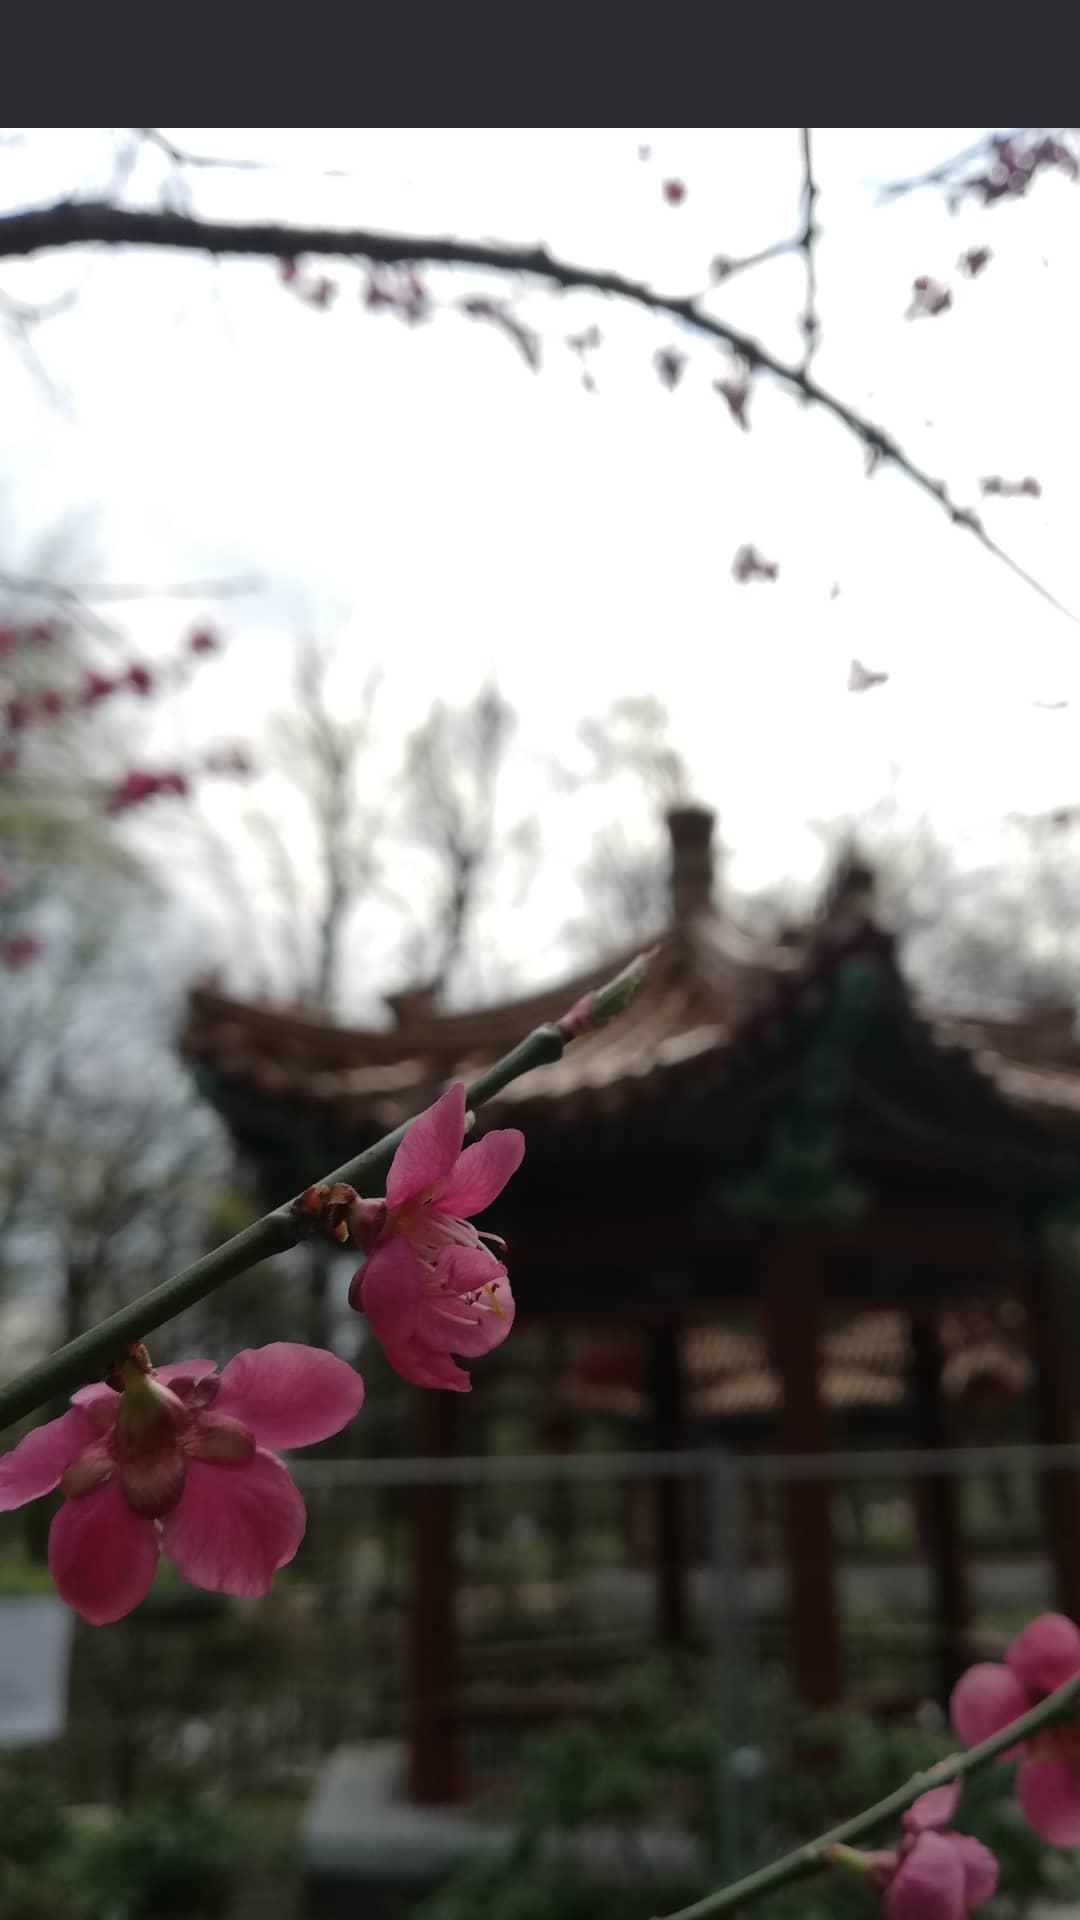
{"x":451,"y":778}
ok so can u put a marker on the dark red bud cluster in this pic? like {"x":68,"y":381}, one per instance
{"x":1028,"y":487}
{"x":400,"y":290}
{"x":670,"y":366}
{"x":749,"y":564}
{"x":314,"y":289}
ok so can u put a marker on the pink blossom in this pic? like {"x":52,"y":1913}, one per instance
{"x":990,"y":1695}
{"x":428,"y":1286}
{"x":175,"y":1461}
{"x":204,"y":641}
{"x":934,"y":1874}
{"x":674,"y":192}
{"x":928,"y":296}
{"x":96,"y":686}
{"x":19,"y":950}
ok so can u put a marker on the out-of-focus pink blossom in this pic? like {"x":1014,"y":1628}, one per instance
{"x":19,"y":950}
{"x":674,"y":192}
{"x":51,"y":702}
{"x":928,"y":297}
{"x":139,"y":785}
{"x":18,"y":713}
{"x":935,"y":1873}
{"x":974,"y":261}
{"x":140,"y":679}
{"x":991,"y":1694}
{"x":97,"y":686}
{"x":203,"y":641}
{"x":176,"y":1461}
{"x":429,"y":1287}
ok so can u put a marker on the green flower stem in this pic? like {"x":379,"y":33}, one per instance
{"x":87,"y":1357}
{"x":812,"y":1857}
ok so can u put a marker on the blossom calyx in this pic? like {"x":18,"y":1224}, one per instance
{"x":327,"y":1209}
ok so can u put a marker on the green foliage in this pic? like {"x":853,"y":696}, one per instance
{"x":647,"y":1763}
{"x":177,"y":1856}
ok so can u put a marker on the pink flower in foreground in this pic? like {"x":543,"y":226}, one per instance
{"x":934,"y":1874}
{"x":175,"y":1462}
{"x":988,"y":1696}
{"x":428,"y":1286}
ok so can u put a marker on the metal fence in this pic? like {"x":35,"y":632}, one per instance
{"x":555,"y":1583}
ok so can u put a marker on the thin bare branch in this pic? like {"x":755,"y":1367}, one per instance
{"x":810,"y":322}
{"x":114,"y":590}
{"x":206,"y":162}
{"x":85,"y":223}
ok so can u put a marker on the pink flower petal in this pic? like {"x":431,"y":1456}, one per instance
{"x":289,"y":1395}
{"x":100,"y":1405}
{"x":929,"y":1884}
{"x":481,"y":1173}
{"x":933,"y":1809}
{"x":429,"y":1149}
{"x":235,"y":1525}
{"x":221,"y":1440}
{"x":427,"y":1368}
{"x":466,"y":1269}
{"x":96,"y":1396}
{"x":42,"y":1457}
{"x":469,"y":1331}
{"x":1049,"y":1796}
{"x":1046,"y":1654}
{"x":390,"y":1285}
{"x":981,"y":1869}
{"x":102,"y":1554}
{"x":984,"y":1700}
{"x":184,"y":1370}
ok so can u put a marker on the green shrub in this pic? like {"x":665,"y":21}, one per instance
{"x":649,"y":1760}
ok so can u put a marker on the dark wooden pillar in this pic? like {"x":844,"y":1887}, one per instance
{"x":669,"y":1433}
{"x":434,"y":1756}
{"x":937,"y":1498}
{"x":1054,"y":1352}
{"x":794,"y":1305}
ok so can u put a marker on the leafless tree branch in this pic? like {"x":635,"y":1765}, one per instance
{"x":71,"y":223}
{"x":113,"y":590}
{"x":810,"y":322}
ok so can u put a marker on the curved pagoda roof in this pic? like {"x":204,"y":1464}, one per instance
{"x":821,"y":1022}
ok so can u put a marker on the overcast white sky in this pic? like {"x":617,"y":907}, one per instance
{"x":443,"y":510}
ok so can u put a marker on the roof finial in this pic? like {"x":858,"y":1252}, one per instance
{"x":691,"y":830}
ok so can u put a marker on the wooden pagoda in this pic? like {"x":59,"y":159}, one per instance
{"x":781,"y":1128}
